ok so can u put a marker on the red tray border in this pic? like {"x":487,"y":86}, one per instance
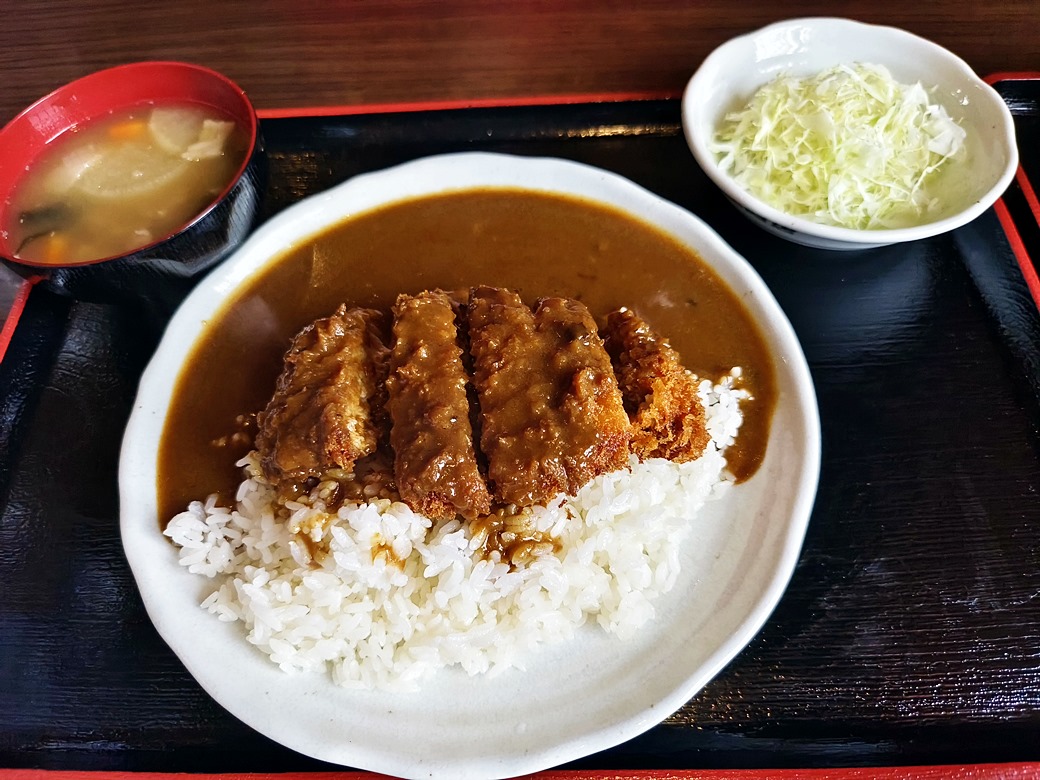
{"x":1015,"y":771}
{"x":1025,"y":262}
{"x":446,"y":105}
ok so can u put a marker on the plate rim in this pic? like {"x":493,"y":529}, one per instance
{"x":300,"y":221}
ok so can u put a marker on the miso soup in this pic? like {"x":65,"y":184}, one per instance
{"x":122,"y":182}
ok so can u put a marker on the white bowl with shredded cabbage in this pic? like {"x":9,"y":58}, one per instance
{"x":842,"y":135}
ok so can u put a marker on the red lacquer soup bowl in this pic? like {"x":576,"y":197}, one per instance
{"x":166,"y":265}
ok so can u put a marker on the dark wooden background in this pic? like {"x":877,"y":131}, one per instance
{"x":291,"y":53}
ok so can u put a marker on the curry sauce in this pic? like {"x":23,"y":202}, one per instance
{"x":537,"y":244}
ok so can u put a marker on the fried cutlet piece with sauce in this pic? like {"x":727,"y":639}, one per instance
{"x":660,"y":395}
{"x":593,"y":427}
{"x":516,"y":399}
{"x":550,"y":420}
{"x":328,"y":406}
{"x":435,"y":463}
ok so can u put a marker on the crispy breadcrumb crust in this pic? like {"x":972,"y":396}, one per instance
{"x":328,"y":406}
{"x":660,"y":395}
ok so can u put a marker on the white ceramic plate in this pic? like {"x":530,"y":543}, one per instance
{"x":574,"y":699}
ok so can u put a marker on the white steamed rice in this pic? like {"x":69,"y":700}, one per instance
{"x":374,"y":624}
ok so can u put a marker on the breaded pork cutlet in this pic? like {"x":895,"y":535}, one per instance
{"x":518,"y":435}
{"x":435,"y":465}
{"x":552,"y":415}
{"x":660,"y":395}
{"x":327,"y":408}
{"x":592,"y":425}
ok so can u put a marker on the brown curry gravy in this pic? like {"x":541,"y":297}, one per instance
{"x":538,"y":244}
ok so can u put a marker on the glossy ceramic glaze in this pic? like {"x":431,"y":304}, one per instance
{"x":805,"y":47}
{"x":573,"y":698}
{"x":160,"y":273}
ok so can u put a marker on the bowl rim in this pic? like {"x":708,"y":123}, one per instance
{"x":1004,"y":130}
{"x":253,"y":145}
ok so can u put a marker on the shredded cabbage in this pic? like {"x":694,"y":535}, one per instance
{"x":849,"y":147}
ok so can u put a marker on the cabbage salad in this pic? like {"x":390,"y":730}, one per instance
{"x":850,"y":147}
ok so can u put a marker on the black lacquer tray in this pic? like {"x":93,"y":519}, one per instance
{"x":910,"y":633}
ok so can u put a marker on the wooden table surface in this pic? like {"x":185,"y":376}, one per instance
{"x":292,"y":53}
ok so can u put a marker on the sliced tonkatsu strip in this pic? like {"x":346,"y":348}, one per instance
{"x":519,"y":436}
{"x":660,"y":395}
{"x":592,"y":426}
{"x":552,"y":414}
{"x":435,"y":464}
{"x":327,"y":408}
